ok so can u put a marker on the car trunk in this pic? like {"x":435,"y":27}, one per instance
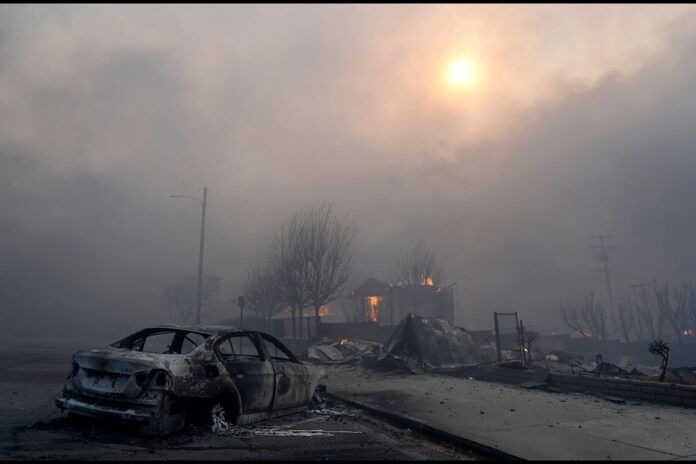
{"x":114,"y":373}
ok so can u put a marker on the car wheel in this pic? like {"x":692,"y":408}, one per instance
{"x":223,"y":415}
{"x":172,"y":417}
{"x":318,"y":401}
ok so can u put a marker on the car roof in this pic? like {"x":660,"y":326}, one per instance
{"x":218,"y":330}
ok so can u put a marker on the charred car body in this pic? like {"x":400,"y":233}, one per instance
{"x":161,"y":375}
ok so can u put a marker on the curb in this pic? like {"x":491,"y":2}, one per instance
{"x":414,"y":423}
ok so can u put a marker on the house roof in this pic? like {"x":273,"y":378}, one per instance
{"x":372,"y":286}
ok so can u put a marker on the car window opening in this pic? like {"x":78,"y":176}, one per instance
{"x":163,"y":341}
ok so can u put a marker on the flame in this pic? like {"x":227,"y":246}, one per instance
{"x":372,"y":303}
{"x":428,"y":281}
{"x":343,"y":342}
{"x":526,"y":350}
{"x":687,"y":332}
{"x":324,"y":311}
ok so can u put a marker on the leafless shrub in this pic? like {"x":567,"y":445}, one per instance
{"x":660,"y":348}
{"x":589,"y":318}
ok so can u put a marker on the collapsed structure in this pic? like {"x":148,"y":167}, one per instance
{"x":421,"y":343}
{"x":386,"y":303}
{"x":417,"y":344}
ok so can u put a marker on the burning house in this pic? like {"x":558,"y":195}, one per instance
{"x":386,"y":304}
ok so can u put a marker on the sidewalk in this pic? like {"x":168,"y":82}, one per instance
{"x":525,"y":423}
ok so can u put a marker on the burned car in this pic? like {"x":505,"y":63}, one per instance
{"x":160,"y":376}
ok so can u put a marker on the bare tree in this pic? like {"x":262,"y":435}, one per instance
{"x":289,"y":268}
{"x":326,"y":246}
{"x":648,"y":317}
{"x":262,"y":292}
{"x":416,"y":266}
{"x":624,"y":319}
{"x":672,"y":307}
{"x":309,"y":262}
{"x":572,"y":319}
{"x":588,"y":319}
{"x":691,"y":307}
{"x":181,"y":296}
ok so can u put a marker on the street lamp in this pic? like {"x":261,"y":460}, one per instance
{"x":200,"y":252}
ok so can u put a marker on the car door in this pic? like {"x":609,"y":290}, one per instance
{"x":252,"y":374}
{"x":292,"y":377}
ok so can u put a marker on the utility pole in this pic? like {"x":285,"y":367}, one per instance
{"x":602,"y":255}
{"x":200,"y":257}
{"x":200,"y":251}
{"x":640,"y":286}
{"x":639,"y":306}
{"x":241,"y":301}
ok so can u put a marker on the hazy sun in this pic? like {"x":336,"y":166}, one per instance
{"x":460,"y":72}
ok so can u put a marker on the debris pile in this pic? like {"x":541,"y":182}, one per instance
{"x":684,"y":375}
{"x":220,"y":426}
{"x":419,"y":344}
{"x":560,"y":361}
{"x":325,"y":353}
{"x":344,"y":351}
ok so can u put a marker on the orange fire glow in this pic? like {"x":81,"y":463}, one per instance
{"x":428,"y":281}
{"x":343,"y":342}
{"x":687,"y":332}
{"x":324,"y":311}
{"x":372,"y":303}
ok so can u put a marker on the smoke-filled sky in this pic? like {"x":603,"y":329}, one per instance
{"x":579,"y":120}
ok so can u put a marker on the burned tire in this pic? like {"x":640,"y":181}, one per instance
{"x":318,"y":400}
{"x":172,"y":418}
{"x":223,"y":414}
{"x":212,"y":414}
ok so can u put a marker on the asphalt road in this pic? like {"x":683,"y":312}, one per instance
{"x":31,"y":427}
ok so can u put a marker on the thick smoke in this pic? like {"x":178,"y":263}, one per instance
{"x":108,"y":110}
